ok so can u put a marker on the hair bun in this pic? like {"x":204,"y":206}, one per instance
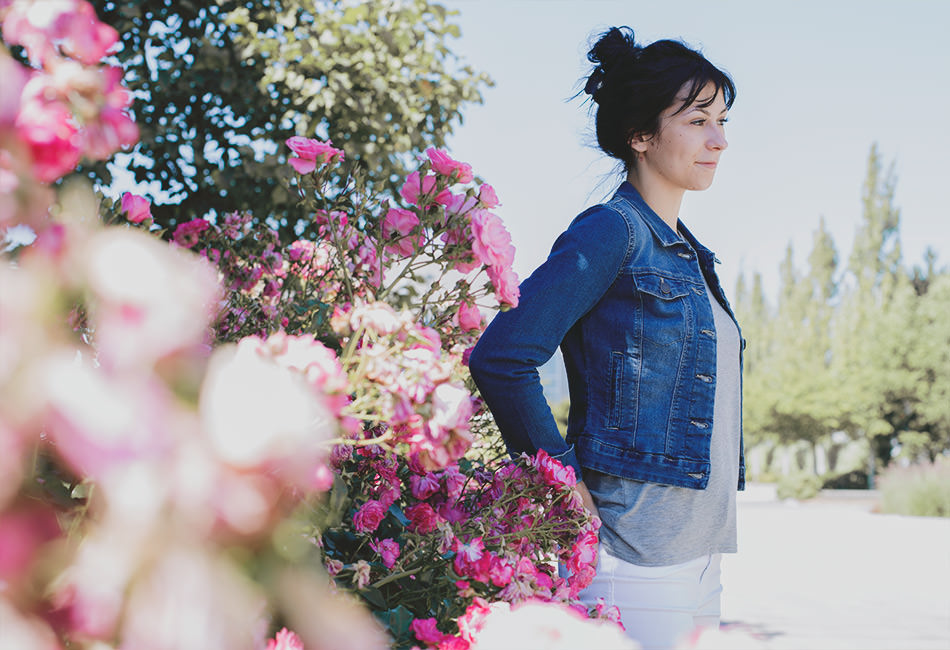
{"x":614,"y":47}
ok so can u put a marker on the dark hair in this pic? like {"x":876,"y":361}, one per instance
{"x":632,"y":85}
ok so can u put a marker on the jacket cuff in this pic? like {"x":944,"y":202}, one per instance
{"x":569,"y":458}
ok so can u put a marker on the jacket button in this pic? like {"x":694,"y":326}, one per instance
{"x":697,"y":291}
{"x":711,"y":334}
{"x":685,"y":256}
{"x":705,"y":378}
{"x":664,"y":287}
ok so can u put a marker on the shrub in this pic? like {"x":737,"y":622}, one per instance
{"x":854,"y":480}
{"x":921,"y":490}
{"x":799,"y":486}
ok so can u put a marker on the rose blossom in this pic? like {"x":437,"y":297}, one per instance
{"x":422,"y":518}
{"x":285,"y":640}
{"x":186,"y":234}
{"x":426,"y":631}
{"x":415,"y":187}
{"x":424,"y":486}
{"x":491,"y":242}
{"x":136,"y":208}
{"x":470,"y":318}
{"x":487,"y":196}
{"x":505,"y":283}
{"x":388,"y":549}
{"x":310,"y":152}
{"x":442,"y":163}
{"x":369,"y":516}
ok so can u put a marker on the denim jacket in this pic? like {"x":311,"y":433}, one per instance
{"x":622,"y":295}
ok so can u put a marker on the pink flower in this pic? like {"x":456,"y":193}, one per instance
{"x":554,"y":473}
{"x":470,"y":318}
{"x":400,"y":221}
{"x":333,"y":566}
{"x":416,"y":188}
{"x":491,"y":242}
{"x":136,"y":208}
{"x":369,"y":516}
{"x":470,"y":551}
{"x":506,"y":286}
{"x":487,"y":196}
{"x":424,"y":486}
{"x":285,"y":640}
{"x":500,"y":571}
{"x":388,"y":549}
{"x":442,"y":163}
{"x":186,"y":234}
{"x":426,"y":631}
{"x":52,"y":137}
{"x":422,"y":518}
{"x":70,"y":23}
{"x":361,"y":573}
{"x":311,"y":152}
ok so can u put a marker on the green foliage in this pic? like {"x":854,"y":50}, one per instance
{"x":863,"y":349}
{"x":920,"y":490}
{"x":799,"y":486}
{"x":854,"y":480}
{"x":220,"y":85}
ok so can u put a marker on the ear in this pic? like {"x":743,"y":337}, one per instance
{"x":638,"y":142}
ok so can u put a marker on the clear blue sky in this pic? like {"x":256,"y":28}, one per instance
{"x":818,"y":83}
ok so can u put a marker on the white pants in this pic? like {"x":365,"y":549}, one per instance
{"x":660,"y":606}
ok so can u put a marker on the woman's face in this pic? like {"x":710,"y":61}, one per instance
{"x":684,"y":153}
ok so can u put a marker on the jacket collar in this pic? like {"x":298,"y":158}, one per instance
{"x":661,"y":230}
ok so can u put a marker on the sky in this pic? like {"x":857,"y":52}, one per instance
{"x":818,"y":83}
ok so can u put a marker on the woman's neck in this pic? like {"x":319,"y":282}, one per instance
{"x":662,"y":199}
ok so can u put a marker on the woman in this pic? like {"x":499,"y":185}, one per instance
{"x":650,"y":344}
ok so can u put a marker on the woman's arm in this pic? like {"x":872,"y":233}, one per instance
{"x":582,"y":265}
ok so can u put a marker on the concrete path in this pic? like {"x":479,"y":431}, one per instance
{"x":830,"y":574}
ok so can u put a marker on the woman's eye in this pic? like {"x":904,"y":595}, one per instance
{"x":699,"y":122}
{"x":723,"y":120}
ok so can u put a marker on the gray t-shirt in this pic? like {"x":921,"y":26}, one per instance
{"x":648,"y":524}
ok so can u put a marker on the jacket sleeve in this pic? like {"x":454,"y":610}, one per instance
{"x":583,"y":263}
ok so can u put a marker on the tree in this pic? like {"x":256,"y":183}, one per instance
{"x":220,"y":85}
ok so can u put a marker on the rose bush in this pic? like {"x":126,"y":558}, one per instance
{"x":191,"y":429}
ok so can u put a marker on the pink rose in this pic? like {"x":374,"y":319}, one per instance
{"x":553,"y":472}
{"x":311,"y":152}
{"x":416,"y":188}
{"x":506,"y":286}
{"x":424,"y":487}
{"x":426,"y":631}
{"x":285,"y":640}
{"x":369,"y":516}
{"x":137,"y":208}
{"x":491,"y":242}
{"x":470,"y":317}
{"x":388,"y":549}
{"x":400,"y":221}
{"x":422,"y":518}
{"x":487,"y":196}
{"x":442,"y":163}
{"x":186,"y":234}
{"x":52,"y":136}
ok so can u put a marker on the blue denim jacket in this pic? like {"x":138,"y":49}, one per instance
{"x":622,"y":295}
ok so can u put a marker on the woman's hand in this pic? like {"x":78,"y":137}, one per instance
{"x":588,"y":502}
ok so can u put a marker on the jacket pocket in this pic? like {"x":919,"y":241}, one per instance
{"x":665,"y":306}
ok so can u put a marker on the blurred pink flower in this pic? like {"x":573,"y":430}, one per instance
{"x":24,"y":530}
{"x":14,"y":77}
{"x":149,"y":299}
{"x":361,"y":573}
{"x":311,"y":152}
{"x":137,"y":208}
{"x":424,"y":486}
{"x":369,"y":515}
{"x":444,"y":164}
{"x":51,"y":134}
{"x":71,"y":24}
{"x":285,"y":640}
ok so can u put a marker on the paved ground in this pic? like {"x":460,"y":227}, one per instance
{"x":831,"y":574}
